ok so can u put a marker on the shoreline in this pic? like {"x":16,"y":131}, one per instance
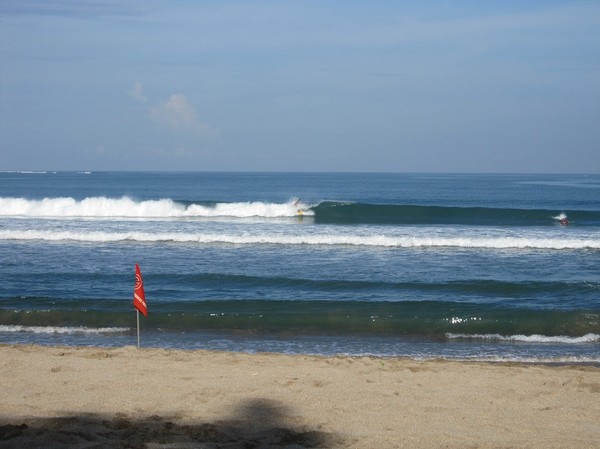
{"x":65,"y":396}
{"x":567,"y":352}
{"x":243,"y":347}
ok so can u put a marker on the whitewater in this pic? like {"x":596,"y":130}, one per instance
{"x":102,"y":207}
{"x":419,"y":239}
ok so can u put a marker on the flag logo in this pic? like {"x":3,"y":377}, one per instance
{"x":138,"y":281}
{"x":139,"y":297}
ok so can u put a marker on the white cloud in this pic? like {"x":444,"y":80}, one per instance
{"x":177,"y":112}
{"x":138,"y":92}
{"x":179,"y":115}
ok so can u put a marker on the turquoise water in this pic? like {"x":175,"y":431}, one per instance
{"x":453,"y":266}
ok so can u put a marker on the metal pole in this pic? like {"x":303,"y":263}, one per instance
{"x":138,"y":326}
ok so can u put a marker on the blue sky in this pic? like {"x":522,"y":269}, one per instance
{"x":446,"y":86}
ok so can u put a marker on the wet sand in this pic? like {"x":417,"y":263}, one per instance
{"x":56,"y":397}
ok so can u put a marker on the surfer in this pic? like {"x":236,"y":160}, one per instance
{"x":299,"y":212}
{"x":563,"y":219}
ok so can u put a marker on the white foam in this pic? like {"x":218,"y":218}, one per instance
{"x":62,"y":329}
{"x":102,"y":207}
{"x":339,"y":239}
{"x":536,"y":338}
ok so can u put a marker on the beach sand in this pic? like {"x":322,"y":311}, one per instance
{"x":55,"y":397}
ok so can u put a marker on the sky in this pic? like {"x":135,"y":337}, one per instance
{"x":496,"y":86}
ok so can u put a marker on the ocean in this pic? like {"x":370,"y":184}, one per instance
{"x":450,"y":266}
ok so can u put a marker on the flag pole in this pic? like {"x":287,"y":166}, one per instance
{"x":138,"y":326}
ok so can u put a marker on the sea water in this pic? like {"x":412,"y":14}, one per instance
{"x":469,"y":267}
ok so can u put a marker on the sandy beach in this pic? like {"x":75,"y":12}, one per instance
{"x":152,"y":398}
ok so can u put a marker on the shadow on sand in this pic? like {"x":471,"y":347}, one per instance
{"x":256,"y":424}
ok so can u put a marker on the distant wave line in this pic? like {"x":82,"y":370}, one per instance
{"x":499,"y":242}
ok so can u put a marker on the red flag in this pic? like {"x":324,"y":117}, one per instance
{"x":139,"y":297}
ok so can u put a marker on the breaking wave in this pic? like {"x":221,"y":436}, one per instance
{"x":69,"y":330}
{"x":102,"y":207}
{"x":323,"y":212}
{"x":588,"y":338}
